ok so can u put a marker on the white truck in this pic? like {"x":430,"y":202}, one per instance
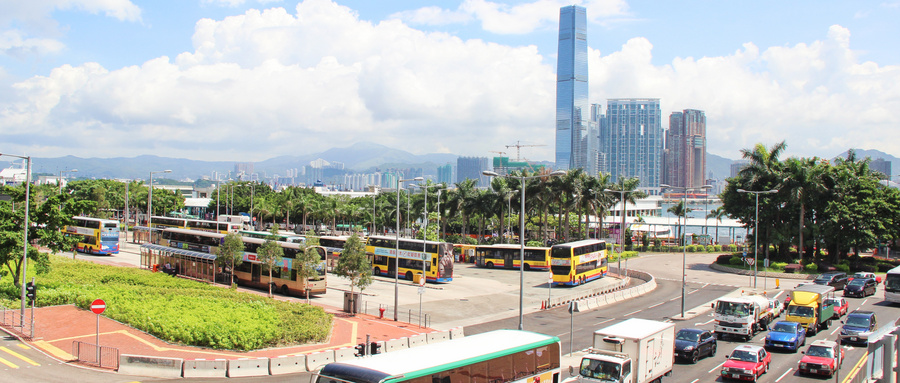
{"x":632,"y":351}
{"x":742,"y":316}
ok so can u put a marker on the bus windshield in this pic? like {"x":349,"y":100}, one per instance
{"x":601,"y":370}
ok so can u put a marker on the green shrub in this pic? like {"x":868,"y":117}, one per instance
{"x":534,"y":243}
{"x":843,"y":267}
{"x":732,"y":248}
{"x":736,"y":261}
{"x":717,"y":248}
{"x":179,"y":310}
{"x":812,"y":267}
{"x":778,"y":265}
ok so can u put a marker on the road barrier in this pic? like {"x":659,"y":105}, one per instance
{"x":287,"y":364}
{"x":316,"y":360}
{"x":344,"y":353}
{"x":248,"y":367}
{"x":418,"y":340}
{"x":396,"y":344}
{"x":150,"y":366}
{"x":204,"y":368}
{"x":438,"y":336}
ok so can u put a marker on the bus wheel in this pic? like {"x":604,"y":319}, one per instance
{"x":376,"y":271}
{"x":284,"y":290}
{"x":527,"y":267}
{"x":489,"y":265}
{"x":409,"y":275}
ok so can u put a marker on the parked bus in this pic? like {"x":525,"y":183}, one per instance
{"x":250,"y":272}
{"x":496,"y":356}
{"x":281,"y":236}
{"x":196,"y":224}
{"x":892,"y":285}
{"x":575,"y":263}
{"x":507,"y":257}
{"x":95,"y":235}
{"x":437,"y":257}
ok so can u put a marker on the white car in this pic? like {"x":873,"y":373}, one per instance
{"x":776,"y":307}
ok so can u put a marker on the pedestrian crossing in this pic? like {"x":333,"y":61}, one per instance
{"x":13,"y":359}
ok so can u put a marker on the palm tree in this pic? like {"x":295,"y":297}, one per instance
{"x":803,"y":181}
{"x":461,"y":200}
{"x":717,"y":214}
{"x":629,"y":186}
{"x":680,"y":211}
{"x":764,"y":172}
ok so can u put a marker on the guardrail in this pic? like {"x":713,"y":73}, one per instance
{"x":13,"y":321}
{"x":95,"y":355}
{"x":609,"y":294}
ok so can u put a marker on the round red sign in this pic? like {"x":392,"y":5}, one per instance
{"x":97,"y":306}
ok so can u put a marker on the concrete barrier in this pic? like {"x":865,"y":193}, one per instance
{"x":456,"y":333}
{"x":344,"y":353}
{"x":203,"y":368}
{"x":287,"y":364}
{"x":396,"y":344}
{"x":437,"y":337}
{"x":418,"y":340}
{"x":150,"y":366}
{"x":248,"y":367}
{"x":317,"y":360}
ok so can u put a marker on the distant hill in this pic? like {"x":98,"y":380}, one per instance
{"x":874,"y":154}
{"x":720,"y":167}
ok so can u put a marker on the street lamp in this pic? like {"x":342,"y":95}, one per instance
{"x":684,"y":190}
{"x":397,"y":244}
{"x":508,"y":211}
{"x":150,"y":204}
{"x":59,"y":180}
{"x":522,"y":235}
{"x":621,"y":228}
{"x":25,"y":231}
{"x":756,"y":230}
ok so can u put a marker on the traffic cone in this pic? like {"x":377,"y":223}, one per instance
{"x":543,"y":305}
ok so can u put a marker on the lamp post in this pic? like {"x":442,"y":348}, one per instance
{"x":508,"y":210}
{"x":684,"y":190}
{"x":150,"y":203}
{"x":397,"y":244}
{"x":218,"y":186}
{"x":25,"y":231}
{"x":522,"y":178}
{"x":756,"y":230}
{"x":622,"y":227}
{"x":59,"y":180}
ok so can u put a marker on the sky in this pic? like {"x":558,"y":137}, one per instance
{"x":248,"y":80}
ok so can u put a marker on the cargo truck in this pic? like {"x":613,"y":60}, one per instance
{"x":809,"y":308}
{"x":632,"y":351}
{"x":742,"y":316}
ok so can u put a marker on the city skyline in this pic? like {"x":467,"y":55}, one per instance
{"x":249,"y":80}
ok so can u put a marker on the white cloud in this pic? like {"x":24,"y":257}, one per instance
{"x":512,"y":19}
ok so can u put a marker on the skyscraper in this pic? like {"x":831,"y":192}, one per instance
{"x":685,"y":154}
{"x":471,"y":168}
{"x":576,"y":145}
{"x":632,"y":140}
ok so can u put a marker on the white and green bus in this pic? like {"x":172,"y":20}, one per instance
{"x":496,"y":356}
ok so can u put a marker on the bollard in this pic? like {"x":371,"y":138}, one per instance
{"x":777,"y":283}
{"x":381,"y":313}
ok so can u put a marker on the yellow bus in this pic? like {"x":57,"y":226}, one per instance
{"x":575,"y":263}
{"x":250,"y":272}
{"x":507,"y":257}
{"x":95,"y":235}
{"x":437,"y":258}
{"x":196,"y":224}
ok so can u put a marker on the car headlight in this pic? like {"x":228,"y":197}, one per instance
{"x":747,"y":371}
{"x":689,"y":348}
{"x":802,"y":365}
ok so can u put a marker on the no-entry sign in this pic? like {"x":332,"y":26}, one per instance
{"x":98,"y":306}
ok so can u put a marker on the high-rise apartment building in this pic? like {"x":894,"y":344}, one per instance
{"x":882,"y":166}
{"x":471,"y":168}
{"x":684,"y":161}
{"x":576,"y":145}
{"x":445,"y":174}
{"x":631,"y":140}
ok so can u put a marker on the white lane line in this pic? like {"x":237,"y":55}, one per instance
{"x":676,"y":298}
{"x":656,"y":305}
{"x":863,"y":302}
{"x":695,"y":380}
{"x":633,"y":312}
{"x":704,"y":323}
{"x":783,"y":375}
{"x":836,"y":328}
{"x":716,"y":368}
{"x":602,"y":322}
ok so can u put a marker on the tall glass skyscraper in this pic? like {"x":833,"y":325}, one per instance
{"x":632,"y":140}
{"x":576,"y":145}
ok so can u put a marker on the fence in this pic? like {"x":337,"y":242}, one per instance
{"x":88,"y":353}
{"x":410,"y":315}
{"x":12,"y":320}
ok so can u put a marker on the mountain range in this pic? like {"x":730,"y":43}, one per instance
{"x":360,"y":158}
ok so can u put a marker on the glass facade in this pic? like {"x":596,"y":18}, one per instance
{"x":632,"y":140}
{"x":576,"y":138}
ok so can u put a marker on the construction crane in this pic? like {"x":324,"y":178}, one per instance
{"x":519,"y":145}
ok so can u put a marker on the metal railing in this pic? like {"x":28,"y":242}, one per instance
{"x":12,"y":320}
{"x":92,"y":354}
{"x":412,"y":316}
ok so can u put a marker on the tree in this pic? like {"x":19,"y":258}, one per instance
{"x":308,"y":263}
{"x":270,"y":255}
{"x":717,"y":214}
{"x":231,"y":252}
{"x":354,"y":265}
{"x":680,"y":211}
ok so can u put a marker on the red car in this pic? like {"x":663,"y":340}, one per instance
{"x":823,"y":357}
{"x":746,"y":363}
{"x":840,"y":306}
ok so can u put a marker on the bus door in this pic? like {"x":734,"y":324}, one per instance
{"x":255,"y":271}
{"x":392,"y":269}
{"x":508,"y":258}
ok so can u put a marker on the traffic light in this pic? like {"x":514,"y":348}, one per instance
{"x":360,"y":349}
{"x":375,"y":348}
{"x":29,"y":292}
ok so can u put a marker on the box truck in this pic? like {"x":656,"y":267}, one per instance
{"x":632,"y":351}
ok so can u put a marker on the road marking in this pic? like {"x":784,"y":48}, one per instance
{"x":834,"y":331}
{"x":20,"y":356}
{"x":674,"y":299}
{"x":716,"y":368}
{"x":704,"y":323}
{"x":863,"y":302}
{"x":23,"y":346}
{"x":656,"y":305}
{"x":783,"y":375}
{"x":58,"y":353}
{"x":6,"y":362}
{"x":633,"y":312}
{"x":601,"y":322}
{"x":695,"y":380}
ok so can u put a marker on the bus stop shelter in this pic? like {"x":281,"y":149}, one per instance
{"x":185,"y":263}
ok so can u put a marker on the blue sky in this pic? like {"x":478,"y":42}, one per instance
{"x":248,"y":80}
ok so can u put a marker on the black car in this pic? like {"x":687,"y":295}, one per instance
{"x":860,"y":287}
{"x":693,"y":343}
{"x":834,"y":279}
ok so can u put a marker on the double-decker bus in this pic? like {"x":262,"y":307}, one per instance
{"x":507,"y":257}
{"x":496,"y":356}
{"x":95,"y":235}
{"x":436,"y":259}
{"x":250,"y":271}
{"x":578,"y":262}
{"x":892,"y":285}
{"x":195,"y":224}
{"x":281,"y":236}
